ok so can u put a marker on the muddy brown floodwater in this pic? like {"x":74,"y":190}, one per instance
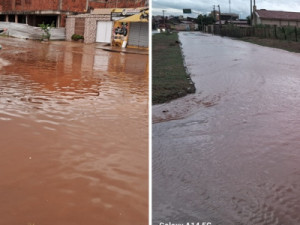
{"x":230,"y":153}
{"x":73,"y":135}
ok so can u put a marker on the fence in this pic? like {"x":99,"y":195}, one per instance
{"x":25,"y":31}
{"x":283,"y":33}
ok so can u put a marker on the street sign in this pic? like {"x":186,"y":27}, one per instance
{"x":187,"y":11}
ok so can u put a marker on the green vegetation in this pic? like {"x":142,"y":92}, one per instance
{"x":291,"y":46}
{"x":46,"y":28}
{"x":169,"y":77}
{"x":204,"y":20}
{"x":76,"y":37}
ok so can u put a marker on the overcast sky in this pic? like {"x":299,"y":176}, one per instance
{"x":241,"y":7}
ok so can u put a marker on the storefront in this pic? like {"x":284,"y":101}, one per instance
{"x":132,"y":31}
{"x":118,"y":27}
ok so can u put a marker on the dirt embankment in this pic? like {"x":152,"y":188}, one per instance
{"x":169,"y":75}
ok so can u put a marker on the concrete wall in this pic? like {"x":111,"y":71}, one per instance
{"x":279,"y":23}
{"x":29,"y":32}
{"x":90,"y":26}
{"x":70,"y":28}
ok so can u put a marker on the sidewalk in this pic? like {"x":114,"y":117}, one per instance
{"x":124,"y":50}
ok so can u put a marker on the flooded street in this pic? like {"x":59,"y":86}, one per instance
{"x":230,"y":153}
{"x":74,"y":135}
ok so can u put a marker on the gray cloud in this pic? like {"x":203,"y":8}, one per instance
{"x":242,"y":7}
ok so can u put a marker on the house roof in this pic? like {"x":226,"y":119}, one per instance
{"x":277,"y":15}
{"x":229,"y":14}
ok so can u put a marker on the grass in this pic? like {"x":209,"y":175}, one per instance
{"x":291,"y":46}
{"x":170,"y":79}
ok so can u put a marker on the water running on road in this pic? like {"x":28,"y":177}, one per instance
{"x":73,"y":124}
{"x":229,"y":154}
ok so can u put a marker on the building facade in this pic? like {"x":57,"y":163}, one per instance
{"x":278,"y":18}
{"x":34,"y":12}
{"x":111,"y":26}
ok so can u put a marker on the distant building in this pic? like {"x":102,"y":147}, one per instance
{"x":33,"y":12}
{"x":225,"y":17}
{"x":186,"y":26}
{"x":278,"y":18}
{"x":229,"y":16}
{"x":215,"y":14}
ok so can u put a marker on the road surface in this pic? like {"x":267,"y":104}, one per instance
{"x":230,"y":153}
{"x":74,"y":134}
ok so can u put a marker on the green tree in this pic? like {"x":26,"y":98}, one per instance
{"x":204,"y":20}
{"x":46,"y":28}
{"x":248,"y":20}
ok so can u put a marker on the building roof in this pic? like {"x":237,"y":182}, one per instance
{"x":229,"y":14}
{"x":277,"y":15}
{"x":117,"y":10}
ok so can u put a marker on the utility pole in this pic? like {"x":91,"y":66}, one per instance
{"x":230,"y":10}
{"x":164,"y":18}
{"x":251,"y":16}
{"x":214,"y":12}
{"x":220,"y":24}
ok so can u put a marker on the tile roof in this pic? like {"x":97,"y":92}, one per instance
{"x":278,"y":15}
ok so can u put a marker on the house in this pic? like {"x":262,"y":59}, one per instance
{"x":33,"y":12}
{"x":111,"y":26}
{"x":186,"y":26}
{"x":278,"y":18}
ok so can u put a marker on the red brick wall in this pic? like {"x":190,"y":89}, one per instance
{"x":74,"y":6}
{"x":28,"y":5}
{"x":117,"y":3}
{"x":67,"y":5}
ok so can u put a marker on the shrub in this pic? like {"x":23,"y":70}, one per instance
{"x":77,"y":37}
{"x":46,"y":28}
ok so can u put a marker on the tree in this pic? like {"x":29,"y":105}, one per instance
{"x":205,"y":20}
{"x":46,"y":28}
{"x":248,"y":20}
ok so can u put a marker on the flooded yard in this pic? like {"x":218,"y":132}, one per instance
{"x":74,"y":134}
{"x":230,"y":153}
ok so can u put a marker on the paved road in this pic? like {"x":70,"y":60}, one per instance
{"x":230,"y":153}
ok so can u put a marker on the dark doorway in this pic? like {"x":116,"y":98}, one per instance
{"x":35,"y":20}
{"x":11,"y":18}
{"x":21,"y":19}
{"x":2,"y":18}
{"x":46,"y":20}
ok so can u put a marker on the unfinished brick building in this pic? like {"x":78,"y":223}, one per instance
{"x":34,"y":12}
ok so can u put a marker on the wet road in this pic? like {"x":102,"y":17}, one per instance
{"x":230,"y":153}
{"x":74,"y":135}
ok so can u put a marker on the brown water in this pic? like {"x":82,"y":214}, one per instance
{"x":74,"y":135}
{"x":230,"y":153}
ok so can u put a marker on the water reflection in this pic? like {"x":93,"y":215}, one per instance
{"x":73,"y":123}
